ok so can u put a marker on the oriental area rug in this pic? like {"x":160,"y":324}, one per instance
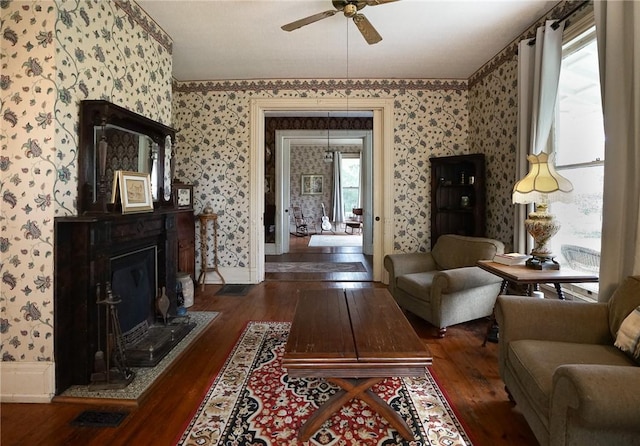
{"x":252,"y":401}
{"x":314,"y":267}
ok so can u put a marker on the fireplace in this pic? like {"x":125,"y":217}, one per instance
{"x":136,"y":255}
{"x":133,"y":281}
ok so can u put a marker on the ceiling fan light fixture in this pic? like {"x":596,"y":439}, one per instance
{"x":350,"y":10}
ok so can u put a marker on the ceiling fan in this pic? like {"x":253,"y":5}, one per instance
{"x":350,"y":9}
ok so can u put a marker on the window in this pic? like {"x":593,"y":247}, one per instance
{"x":350,"y":176}
{"x":579,"y":146}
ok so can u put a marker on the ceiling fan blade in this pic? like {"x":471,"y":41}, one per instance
{"x":366,"y":29}
{"x":308,"y":20}
{"x":376,"y":2}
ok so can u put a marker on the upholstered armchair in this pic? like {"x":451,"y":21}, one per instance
{"x":561,"y":364}
{"x":444,"y":287}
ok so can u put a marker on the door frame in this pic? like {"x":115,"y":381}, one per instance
{"x":284,"y":140}
{"x":382,"y":212}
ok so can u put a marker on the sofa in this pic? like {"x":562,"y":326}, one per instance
{"x":443,"y":286}
{"x":565,"y":366}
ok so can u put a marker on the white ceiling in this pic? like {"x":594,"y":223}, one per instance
{"x":422,"y":39}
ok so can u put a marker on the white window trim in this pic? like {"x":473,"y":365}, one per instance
{"x":576,"y":291}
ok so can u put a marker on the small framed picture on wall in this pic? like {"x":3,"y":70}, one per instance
{"x":312,"y":184}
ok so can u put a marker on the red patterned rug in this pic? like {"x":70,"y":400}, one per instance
{"x":252,"y":401}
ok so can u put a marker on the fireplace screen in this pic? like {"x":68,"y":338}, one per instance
{"x":134,"y":281}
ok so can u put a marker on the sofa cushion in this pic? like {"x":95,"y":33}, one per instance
{"x":457,"y":251}
{"x":628,"y":339}
{"x":417,"y":285}
{"x":534,"y":363}
{"x":622,"y":302}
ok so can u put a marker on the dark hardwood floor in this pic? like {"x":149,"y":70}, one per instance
{"x":466,"y":371}
{"x":299,"y":251}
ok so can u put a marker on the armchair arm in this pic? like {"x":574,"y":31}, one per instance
{"x":458,"y":279}
{"x":523,"y":317}
{"x":416,"y":262}
{"x":593,"y":398}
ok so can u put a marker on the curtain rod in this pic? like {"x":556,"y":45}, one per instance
{"x":556,"y":24}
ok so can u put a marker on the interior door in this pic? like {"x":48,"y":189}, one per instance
{"x":367,"y":194}
{"x":282,"y":192}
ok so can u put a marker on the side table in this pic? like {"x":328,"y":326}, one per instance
{"x":205,"y":219}
{"x":522,"y":275}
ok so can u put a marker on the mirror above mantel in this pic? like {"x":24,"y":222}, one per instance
{"x":113,"y":138}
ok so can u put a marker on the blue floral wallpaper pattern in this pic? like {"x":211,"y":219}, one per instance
{"x":493,"y":125}
{"x":309,"y":160}
{"x":493,"y":128}
{"x":55,"y":54}
{"x":431,"y":119}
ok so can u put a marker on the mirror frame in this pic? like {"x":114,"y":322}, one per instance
{"x":98,"y":113}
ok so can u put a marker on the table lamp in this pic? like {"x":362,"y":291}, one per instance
{"x":541,"y":186}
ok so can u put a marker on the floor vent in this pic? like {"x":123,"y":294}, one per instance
{"x":94,"y":418}
{"x":233,"y":290}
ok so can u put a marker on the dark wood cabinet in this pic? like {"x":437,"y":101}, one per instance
{"x":186,"y":228}
{"x":458,"y":196}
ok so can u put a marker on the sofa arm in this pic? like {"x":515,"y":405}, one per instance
{"x":524,"y":317}
{"x":400,"y":264}
{"x":459,"y":279}
{"x":595,"y":398}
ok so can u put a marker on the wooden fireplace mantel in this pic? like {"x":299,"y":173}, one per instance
{"x":84,"y":247}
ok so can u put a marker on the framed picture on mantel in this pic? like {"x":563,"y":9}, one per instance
{"x":134,"y":189}
{"x":183,"y":194}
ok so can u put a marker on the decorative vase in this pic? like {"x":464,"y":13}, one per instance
{"x":187,"y":288}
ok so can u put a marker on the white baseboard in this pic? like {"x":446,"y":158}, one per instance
{"x":34,"y":382}
{"x":231,"y":275}
{"x":27,"y":382}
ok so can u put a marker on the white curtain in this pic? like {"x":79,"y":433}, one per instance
{"x":618,"y":36}
{"x":338,"y":213}
{"x":539,"y":63}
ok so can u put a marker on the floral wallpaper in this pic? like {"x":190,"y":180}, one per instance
{"x":55,"y":54}
{"x":493,"y":129}
{"x":431,"y":119}
{"x":493,"y":126}
{"x":28,"y":168}
{"x":309,"y":160}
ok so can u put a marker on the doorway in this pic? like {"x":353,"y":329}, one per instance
{"x":382,"y":172}
{"x":285,"y":140}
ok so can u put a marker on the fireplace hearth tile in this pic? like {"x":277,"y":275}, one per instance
{"x":145,"y":376}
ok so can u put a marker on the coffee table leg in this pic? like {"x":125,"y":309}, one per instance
{"x":353,"y":388}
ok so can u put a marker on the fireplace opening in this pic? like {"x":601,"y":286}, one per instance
{"x":134,"y":280}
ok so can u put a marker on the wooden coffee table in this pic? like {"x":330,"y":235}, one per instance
{"x":354,"y":339}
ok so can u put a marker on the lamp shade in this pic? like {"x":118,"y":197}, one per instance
{"x":542,"y":183}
